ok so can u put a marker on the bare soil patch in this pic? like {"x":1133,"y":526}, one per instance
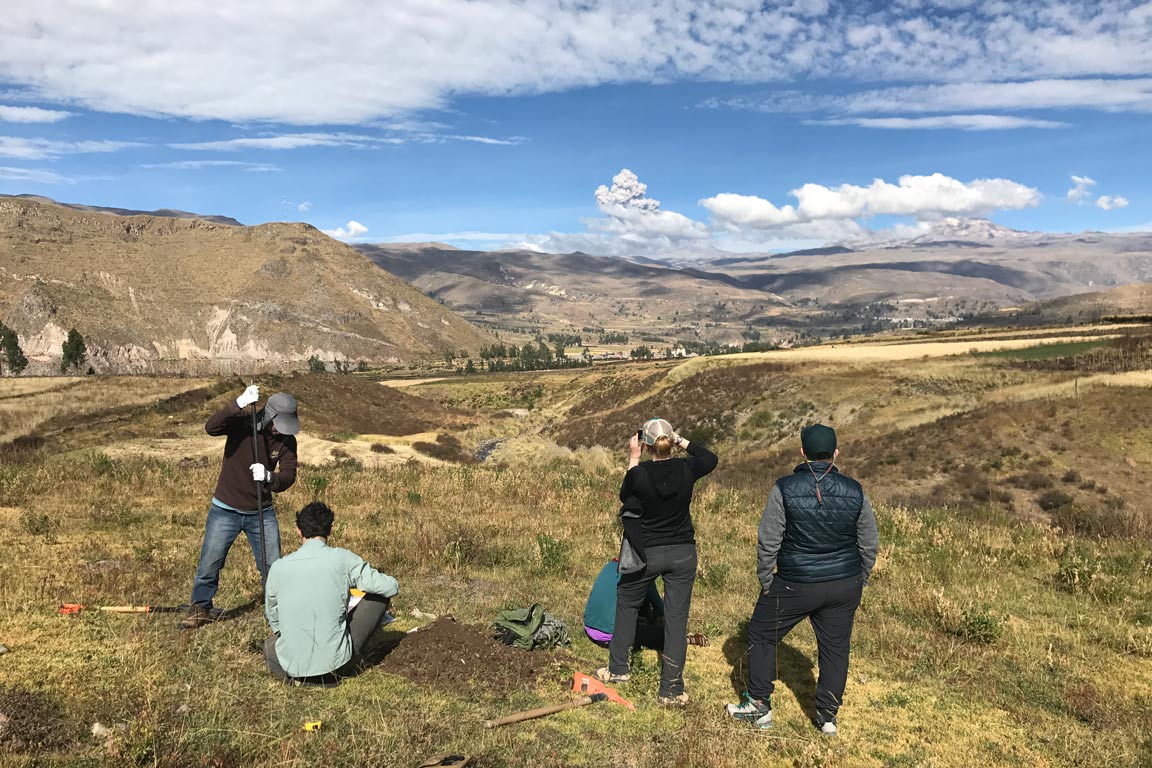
{"x":455,"y":657}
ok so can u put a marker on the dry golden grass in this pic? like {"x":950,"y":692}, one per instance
{"x":988,"y":636}
{"x":25,"y":405}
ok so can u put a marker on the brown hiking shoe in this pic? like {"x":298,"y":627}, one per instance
{"x":197,"y":616}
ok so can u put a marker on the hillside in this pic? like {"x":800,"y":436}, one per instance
{"x":170,"y":294}
{"x":1125,"y":301}
{"x":168,"y":213}
{"x":572,"y":290}
{"x":959,"y":268}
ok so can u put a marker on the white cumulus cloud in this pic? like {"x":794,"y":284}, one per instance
{"x":1111,"y":203}
{"x":304,"y":207}
{"x":1081,"y":188}
{"x":349,"y":231}
{"x":921,"y":197}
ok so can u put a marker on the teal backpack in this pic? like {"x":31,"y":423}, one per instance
{"x":530,"y":629}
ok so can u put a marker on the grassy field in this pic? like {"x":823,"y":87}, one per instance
{"x":1009,"y":621}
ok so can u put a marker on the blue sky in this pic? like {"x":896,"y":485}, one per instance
{"x":494,"y":123}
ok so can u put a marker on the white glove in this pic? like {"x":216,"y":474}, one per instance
{"x":251,"y":395}
{"x":260,"y":473}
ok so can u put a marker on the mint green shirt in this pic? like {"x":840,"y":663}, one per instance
{"x":306,"y":602}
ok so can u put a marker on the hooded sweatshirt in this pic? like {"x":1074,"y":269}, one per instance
{"x":665,"y":492}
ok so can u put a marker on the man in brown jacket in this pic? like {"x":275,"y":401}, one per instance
{"x":271,"y":464}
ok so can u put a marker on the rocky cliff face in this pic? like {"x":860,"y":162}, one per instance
{"x":161,"y":294}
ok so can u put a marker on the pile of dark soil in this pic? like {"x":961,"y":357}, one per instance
{"x":454,"y":657}
{"x":31,"y":722}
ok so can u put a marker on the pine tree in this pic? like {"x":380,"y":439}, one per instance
{"x":75,"y":351}
{"x":13,"y":355}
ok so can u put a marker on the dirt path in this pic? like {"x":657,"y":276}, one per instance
{"x":401,"y":383}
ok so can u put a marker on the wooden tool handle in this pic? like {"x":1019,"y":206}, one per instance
{"x":126,"y":608}
{"x":538,"y":712}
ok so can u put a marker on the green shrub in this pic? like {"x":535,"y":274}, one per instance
{"x":980,"y":625}
{"x":1053,"y":499}
{"x":38,"y":524}
{"x":462,"y":547}
{"x":1032,"y":481}
{"x":1077,"y":567}
{"x":713,"y":575}
{"x":317,"y":485}
{"x":554,"y":553}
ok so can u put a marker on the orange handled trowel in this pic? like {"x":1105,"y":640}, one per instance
{"x":593,"y":691}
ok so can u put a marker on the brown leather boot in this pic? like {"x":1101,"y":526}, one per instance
{"x":197,"y":616}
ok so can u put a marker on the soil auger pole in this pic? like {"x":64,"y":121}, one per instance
{"x":259,"y":500}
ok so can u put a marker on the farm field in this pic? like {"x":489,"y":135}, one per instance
{"x":1009,"y":620}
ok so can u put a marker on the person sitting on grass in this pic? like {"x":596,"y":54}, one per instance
{"x":600,"y":611}
{"x":316,"y":638}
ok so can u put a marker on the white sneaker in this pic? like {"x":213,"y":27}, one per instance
{"x":604,"y":676}
{"x":754,"y":711}
{"x":826,"y":721}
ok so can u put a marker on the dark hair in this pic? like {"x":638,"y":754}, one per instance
{"x":821,"y":456}
{"x":315,"y":519}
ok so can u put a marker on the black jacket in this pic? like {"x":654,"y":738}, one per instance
{"x":664,"y":489}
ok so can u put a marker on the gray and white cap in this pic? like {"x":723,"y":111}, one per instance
{"x":281,"y":411}
{"x":655,"y":428}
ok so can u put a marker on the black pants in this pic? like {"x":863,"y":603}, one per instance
{"x":676,"y":563}
{"x":363,"y":622}
{"x":649,"y":634}
{"x":831,"y":607}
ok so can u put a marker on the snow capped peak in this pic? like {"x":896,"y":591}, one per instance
{"x":974,"y":230}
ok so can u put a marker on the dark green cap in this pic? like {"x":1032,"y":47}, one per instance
{"x":818,"y":440}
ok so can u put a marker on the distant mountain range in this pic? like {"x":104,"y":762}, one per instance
{"x":169,"y":292}
{"x":958,"y":268}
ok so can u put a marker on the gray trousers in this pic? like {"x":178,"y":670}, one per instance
{"x":363,"y":622}
{"x":831,"y":607}
{"x":676,"y":563}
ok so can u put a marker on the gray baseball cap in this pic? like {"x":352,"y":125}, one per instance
{"x":655,"y":428}
{"x":281,"y":411}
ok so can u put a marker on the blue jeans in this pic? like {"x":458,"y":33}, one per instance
{"x":221,"y":529}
